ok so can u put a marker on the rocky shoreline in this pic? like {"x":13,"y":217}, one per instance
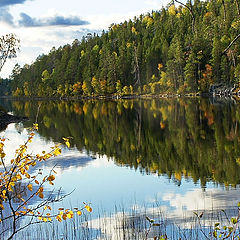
{"x":6,"y":119}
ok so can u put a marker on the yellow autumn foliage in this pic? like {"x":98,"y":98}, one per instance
{"x":21,"y":168}
{"x":172,"y":10}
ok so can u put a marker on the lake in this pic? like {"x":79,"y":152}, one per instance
{"x":171,"y":156}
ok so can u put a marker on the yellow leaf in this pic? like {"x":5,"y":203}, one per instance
{"x":51,"y":178}
{"x":79,"y":213}
{"x":29,"y":187}
{"x":19,"y":177}
{"x":50,"y":182}
{"x":172,"y":10}
{"x":34,"y":163}
{"x":68,"y":144}
{"x":70,"y":214}
{"x":12,"y":184}
{"x":41,"y":195}
{"x":160,"y":66}
{"x":48,"y":155}
{"x":35,"y":126}
{"x":134,"y":30}
{"x":27,"y":175}
{"x":57,"y":151}
{"x":88,"y":208}
{"x":59,"y":218}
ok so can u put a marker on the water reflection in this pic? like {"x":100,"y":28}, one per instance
{"x":175,"y":212}
{"x":191,"y":143}
{"x":178,"y":137}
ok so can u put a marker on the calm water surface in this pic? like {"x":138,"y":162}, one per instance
{"x":183,"y":154}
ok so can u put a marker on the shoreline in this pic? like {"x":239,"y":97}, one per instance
{"x":112,"y":97}
{"x":236,"y":96}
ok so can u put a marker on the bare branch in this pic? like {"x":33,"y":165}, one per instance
{"x":190,"y":9}
{"x":9,"y":45}
{"x":231,"y":43}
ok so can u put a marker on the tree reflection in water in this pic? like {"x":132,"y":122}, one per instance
{"x":181,"y":138}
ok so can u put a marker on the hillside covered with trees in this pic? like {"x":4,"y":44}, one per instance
{"x":178,"y":49}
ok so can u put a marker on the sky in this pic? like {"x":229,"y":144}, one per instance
{"x":42,"y":24}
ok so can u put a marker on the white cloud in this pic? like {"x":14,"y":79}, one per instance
{"x":155,"y":4}
{"x":198,"y":199}
{"x":15,"y":139}
{"x":102,"y":161}
{"x":36,"y":41}
{"x":176,"y":209}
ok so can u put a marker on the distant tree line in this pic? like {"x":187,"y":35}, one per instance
{"x":181,"y":48}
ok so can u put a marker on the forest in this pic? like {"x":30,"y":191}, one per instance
{"x":182,"y":48}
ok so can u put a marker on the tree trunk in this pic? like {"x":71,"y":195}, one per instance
{"x":137,"y":69}
{"x":224,"y":11}
{"x":190,"y":9}
{"x":238,"y":7}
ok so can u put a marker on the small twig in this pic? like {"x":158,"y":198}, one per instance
{"x":38,"y":110}
{"x":231,"y":43}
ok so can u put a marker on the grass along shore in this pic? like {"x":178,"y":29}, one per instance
{"x":140,"y":224}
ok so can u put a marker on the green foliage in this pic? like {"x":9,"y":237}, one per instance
{"x":131,"y":53}
{"x":190,"y":71}
{"x":5,"y":87}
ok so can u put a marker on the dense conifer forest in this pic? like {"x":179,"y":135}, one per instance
{"x":182,"y":48}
